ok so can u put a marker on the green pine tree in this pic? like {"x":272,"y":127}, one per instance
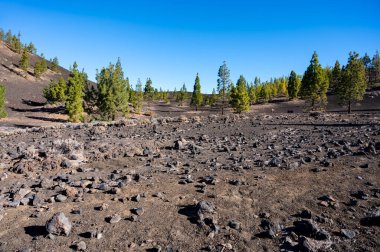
{"x":314,"y":84}
{"x":252,"y":94}
{"x":31,"y":48}
{"x":239,"y":96}
{"x":3,"y":113}
{"x":353,"y":82}
{"x":214,"y":97}
{"x":55,"y":91}
{"x":264,"y":94}
{"x":24,"y":61}
{"x":148,"y":90}
{"x":74,"y":94}
{"x":54,"y":64}
{"x":223,"y":82}
{"x":196,"y":99}
{"x":182,"y":95}
{"x":138,"y":100}
{"x":294,"y":84}
{"x":336,"y":76}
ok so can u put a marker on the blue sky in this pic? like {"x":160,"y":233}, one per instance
{"x":172,"y":40}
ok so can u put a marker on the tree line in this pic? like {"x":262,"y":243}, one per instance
{"x":113,"y":95}
{"x":25,"y":50}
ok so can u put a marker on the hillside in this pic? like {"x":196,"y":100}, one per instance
{"x":24,"y":92}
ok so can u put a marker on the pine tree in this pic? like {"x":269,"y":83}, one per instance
{"x":223,"y":82}
{"x":214,"y":97}
{"x":294,"y":84}
{"x":314,"y":84}
{"x":121,"y":89}
{"x":353,"y":82}
{"x":182,"y":94}
{"x":336,"y":75}
{"x":8,"y":37}
{"x":252,"y":94}
{"x":24,"y":61}
{"x":54,"y":64}
{"x":3,"y":113}
{"x":257,"y":81}
{"x":264,"y":93}
{"x":138,"y":101}
{"x":282,"y":87}
{"x":1,"y":34}
{"x":239,"y":96}
{"x":55,"y":91}
{"x":74,"y":94}
{"x":40,"y":67}
{"x":148,"y":90}
{"x":31,"y":48}
{"x":375,"y":64}
{"x":15,"y":44}
{"x":196,"y":99}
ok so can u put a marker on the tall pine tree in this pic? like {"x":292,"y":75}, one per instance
{"x":24,"y":61}
{"x":314,"y":84}
{"x":138,"y":100}
{"x":353,"y":82}
{"x":239,"y":96}
{"x":74,"y":94}
{"x":336,"y":77}
{"x":294,"y":84}
{"x":196,"y":99}
{"x":223,"y":82}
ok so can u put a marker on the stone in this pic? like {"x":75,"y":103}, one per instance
{"x":136,"y":198}
{"x":71,"y":192}
{"x":361,"y":195}
{"x":81,"y":246}
{"x":234,"y":224}
{"x":305,"y":214}
{"x":60,"y":198}
{"x":104,"y":187}
{"x":114,"y":219}
{"x":348,"y":233}
{"x":59,"y":224}
{"x":138,"y":211}
{"x":305,"y":245}
{"x":21,"y":193}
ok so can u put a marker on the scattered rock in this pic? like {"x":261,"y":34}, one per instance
{"x":114,"y":219}
{"x":59,"y":224}
{"x":348,"y":233}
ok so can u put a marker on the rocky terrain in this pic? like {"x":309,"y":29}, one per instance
{"x":263,"y":182}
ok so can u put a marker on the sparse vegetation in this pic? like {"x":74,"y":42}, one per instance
{"x":182,"y":95}
{"x":24,"y":61}
{"x":352,"y":84}
{"x":55,"y":92}
{"x":113,"y":92}
{"x":314,"y":84}
{"x":74,"y":94}
{"x":239,"y":96}
{"x":138,"y":98}
{"x":223,"y":82}
{"x":40,"y":67}
{"x":294,"y":84}
{"x":3,"y":113}
{"x":197,"y":98}
{"x":54,"y":64}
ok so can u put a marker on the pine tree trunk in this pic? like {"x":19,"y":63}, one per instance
{"x":349,"y":107}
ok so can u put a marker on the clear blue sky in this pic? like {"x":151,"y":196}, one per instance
{"x":171,"y":40}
